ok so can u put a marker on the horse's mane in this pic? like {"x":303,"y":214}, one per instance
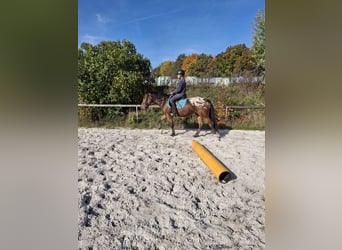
{"x":159,"y":94}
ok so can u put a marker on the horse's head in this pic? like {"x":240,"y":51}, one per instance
{"x":147,"y":100}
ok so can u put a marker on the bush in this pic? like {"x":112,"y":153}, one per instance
{"x":245,"y":94}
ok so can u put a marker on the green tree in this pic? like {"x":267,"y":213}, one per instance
{"x":203,"y":67}
{"x":258,"y":47}
{"x":156,"y":71}
{"x":166,"y":68}
{"x":178,"y":63}
{"x":112,"y":72}
{"x":243,"y":60}
{"x":188,"y":60}
{"x":221,"y":65}
{"x":235,"y":61}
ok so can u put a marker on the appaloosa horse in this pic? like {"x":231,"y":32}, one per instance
{"x":201,"y":107}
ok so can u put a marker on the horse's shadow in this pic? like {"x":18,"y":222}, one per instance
{"x":222,"y":132}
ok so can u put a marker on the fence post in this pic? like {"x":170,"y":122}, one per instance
{"x":136,"y":112}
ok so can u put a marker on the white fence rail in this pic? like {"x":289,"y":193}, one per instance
{"x":137,"y":106}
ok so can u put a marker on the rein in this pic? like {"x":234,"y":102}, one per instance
{"x":162,"y":100}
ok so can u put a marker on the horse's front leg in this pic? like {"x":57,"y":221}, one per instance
{"x":172,"y":128}
{"x":170,"y":120}
{"x":162,"y":118}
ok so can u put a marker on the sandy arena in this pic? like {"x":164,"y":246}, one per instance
{"x":143,"y":189}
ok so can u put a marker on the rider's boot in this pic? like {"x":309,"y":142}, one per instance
{"x":174,"y":110}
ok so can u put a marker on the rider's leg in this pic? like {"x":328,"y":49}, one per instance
{"x":173,"y":106}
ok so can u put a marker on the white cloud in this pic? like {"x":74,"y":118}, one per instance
{"x":91,"y":39}
{"x":154,"y":16}
{"x":102,"y":19}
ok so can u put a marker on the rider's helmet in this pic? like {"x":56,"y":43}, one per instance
{"x":180,"y":72}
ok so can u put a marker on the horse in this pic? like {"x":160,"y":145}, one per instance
{"x":201,"y":107}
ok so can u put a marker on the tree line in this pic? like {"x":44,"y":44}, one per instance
{"x":235,"y":61}
{"x":114,"y":72}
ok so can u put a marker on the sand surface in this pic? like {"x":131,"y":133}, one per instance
{"x":143,"y":189}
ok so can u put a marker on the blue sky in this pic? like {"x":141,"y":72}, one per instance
{"x":161,"y":30}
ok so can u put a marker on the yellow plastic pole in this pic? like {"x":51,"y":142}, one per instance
{"x":216,"y":167}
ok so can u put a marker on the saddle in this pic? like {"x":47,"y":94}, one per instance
{"x":179,"y":104}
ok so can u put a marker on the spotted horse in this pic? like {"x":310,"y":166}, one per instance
{"x":201,"y":107}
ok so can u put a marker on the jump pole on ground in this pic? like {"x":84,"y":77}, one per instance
{"x":215,"y":166}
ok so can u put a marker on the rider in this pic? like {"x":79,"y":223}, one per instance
{"x":179,"y":92}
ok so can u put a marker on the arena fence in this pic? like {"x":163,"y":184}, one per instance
{"x":137,"y":106}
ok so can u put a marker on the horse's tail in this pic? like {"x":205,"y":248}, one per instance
{"x":212,"y":114}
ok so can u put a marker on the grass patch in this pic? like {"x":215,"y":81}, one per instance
{"x":246,"y":94}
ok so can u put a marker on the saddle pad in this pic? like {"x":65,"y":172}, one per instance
{"x":179,"y":104}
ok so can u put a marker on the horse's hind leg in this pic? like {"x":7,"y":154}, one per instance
{"x":200,"y":124}
{"x":214,"y":129}
{"x":211,"y":125}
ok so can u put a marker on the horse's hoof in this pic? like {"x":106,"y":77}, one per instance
{"x":196,"y":135}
